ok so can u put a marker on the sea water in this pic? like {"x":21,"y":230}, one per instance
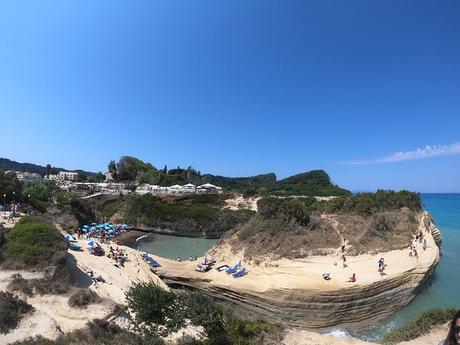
{"x":171,"y":247}
{"x":444,"y":292}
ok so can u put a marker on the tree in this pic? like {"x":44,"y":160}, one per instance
{"x":10,"y":187}
{"x":81,"y":177}
{"x":48,"y":170}
{"x":113,"y":169}
{"x":156,"y":310}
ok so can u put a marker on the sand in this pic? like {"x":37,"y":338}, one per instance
{"x":306,"y":273}
{"x":118,"y":279}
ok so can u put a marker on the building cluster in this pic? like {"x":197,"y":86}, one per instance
{"x":66,"y":180}
{"x":189,"y":188}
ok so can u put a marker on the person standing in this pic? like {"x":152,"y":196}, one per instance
{"x":425,"y":244}
{"x":344,"y":261}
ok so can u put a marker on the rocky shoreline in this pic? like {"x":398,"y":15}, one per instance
{"x":298,"y":304}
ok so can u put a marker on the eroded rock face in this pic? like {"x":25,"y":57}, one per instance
{"x":351,"y":306}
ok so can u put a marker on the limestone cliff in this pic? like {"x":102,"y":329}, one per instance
{"x":299,"y":297}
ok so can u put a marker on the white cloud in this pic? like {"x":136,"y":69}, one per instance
{"x":420,"y":153}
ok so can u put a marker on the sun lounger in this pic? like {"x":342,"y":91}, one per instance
{"x":240,"y":273}
{"x":150,"y":261}
{"x":76,"y":248}
{"x":234,"y":268}
{"x":222,"y":268}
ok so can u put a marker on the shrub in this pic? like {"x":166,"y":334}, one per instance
{"x":420,"y":326}
{"x":98,"y":332}
{"x":83,"y":297}
{"x":33,"y":244}
{"x":12,"y":310}
{"x":161,"y":312}
{"x":156,"y":310}
{"x":18,"y":283}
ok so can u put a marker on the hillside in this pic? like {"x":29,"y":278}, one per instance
{"x":8,"y":164}
{"x":300,"y":227}
{"x":313,"y":183}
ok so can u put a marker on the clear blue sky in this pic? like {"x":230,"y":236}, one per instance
{"x":237,"y":88}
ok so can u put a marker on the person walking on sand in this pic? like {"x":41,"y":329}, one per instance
{"x":343,"y":244}
{"x":344,"y":260}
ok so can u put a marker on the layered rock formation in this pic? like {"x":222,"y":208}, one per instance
{"x":293,"y":293}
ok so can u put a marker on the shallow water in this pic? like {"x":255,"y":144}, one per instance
{"x":171,"y":247}
{"x":445,"y":291}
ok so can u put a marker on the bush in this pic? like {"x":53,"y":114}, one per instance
{"x":420,"y":326}
{"x":12,"y":310}
{"x":83,"y":297}
{"x":18,"y":283}
{"x":98,"y":332}
{"x":33,"y":244}
{"x":161,"y":312}
{"x":156,"y":310}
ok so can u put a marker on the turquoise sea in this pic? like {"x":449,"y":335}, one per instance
{"x":444,"y":292}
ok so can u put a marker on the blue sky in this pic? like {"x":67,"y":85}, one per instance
{"x":237,"y":88}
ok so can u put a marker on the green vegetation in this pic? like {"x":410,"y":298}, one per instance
{"x":7,"y":164}
{"x":301,"y":226}
{"x":9,"y":184}
{"x":39,"y":190}
{"x":12,"y":309}
{"x":192,"y":214}
{"x":33,"y":244}
{"x":161,"y":312}
{"x":98,"y":332}
{"x":313,"y":183}
{"x":420,"y":326}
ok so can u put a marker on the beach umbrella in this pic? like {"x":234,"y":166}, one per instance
{"x":69,"y":238}
{"x":124,"y":226}
{"x":93,"y":244}
{"x":111,"y":231}
{"x":1,"y":207}
{"x":85,"y":226}
{"x":93,"y":223}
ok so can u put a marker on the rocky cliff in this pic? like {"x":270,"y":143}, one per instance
{"x":312,"y":305}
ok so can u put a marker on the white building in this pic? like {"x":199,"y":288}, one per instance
{"x":63,"y":176}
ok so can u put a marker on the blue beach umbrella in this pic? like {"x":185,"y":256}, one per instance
{"x":111,"y":231}
{"x":85,"y":226}
{"x":69,"y":238}
{"x":93,"y":244}
{"x":124,"y":226}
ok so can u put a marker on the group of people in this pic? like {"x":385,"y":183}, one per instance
{"x":118,"y":255}
{"x":205,"y":265}
{"x":412,"y":244}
